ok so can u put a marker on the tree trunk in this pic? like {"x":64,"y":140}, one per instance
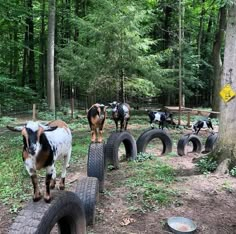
{"x":16,"y":52}
{"x":31,"y":63}
{"x":42,"y":56}
{"x":199,"y":38}
{"x":226,"y":147}
{"x":50,"y":56}
{"x":216,"y":58}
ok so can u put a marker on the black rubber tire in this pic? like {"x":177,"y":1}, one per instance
{"x":87,"y":189}
{"x":210,"y":143}
{"x":66,"y":210}
{"x":147,"y":136}
{"x":109,"y":147}
{"x":141,"y":136}
{"x":184,"y":140}
{"x":113,"y":144}
{"x":96,"y":163}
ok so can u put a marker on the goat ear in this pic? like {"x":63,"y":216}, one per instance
{"x":15,"y":129}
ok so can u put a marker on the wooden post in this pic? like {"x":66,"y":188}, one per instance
{"x":34,"y":112}
{"x":180,"y":61}
{"x":188,"y":124}
{"x":72,"y":103}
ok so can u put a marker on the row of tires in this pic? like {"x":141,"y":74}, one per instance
{"x":99,"y":154}
{"x":70,"y":212}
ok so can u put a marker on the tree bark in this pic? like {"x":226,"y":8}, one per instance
{"x":31,"y":63}
{"x":226,"y":147}
{"x":50,"y":56}
{"x":216,"y":58}
{"x":42,"y":56}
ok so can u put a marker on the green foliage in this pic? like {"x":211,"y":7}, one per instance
{"x":206,"y":165}
{"x":233,"y":172}
{"x":15,"y":184}
{"x":4,"y":121}
{"x":143,"y":157}
{"x":149,"y":182}
{"x":12,"y":95}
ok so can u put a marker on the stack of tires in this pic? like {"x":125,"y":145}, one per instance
{"x":69,"y":212}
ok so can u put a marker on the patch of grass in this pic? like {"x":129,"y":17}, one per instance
{"x":6,"y":120}
{"x":206,"y":165}
{"x":149,"y":184}
{"x":227,"y":187}
{"x":143,"y":157}
{"x":15,"y":184}
{"x":232,"y":172}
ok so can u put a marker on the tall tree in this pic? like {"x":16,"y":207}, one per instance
{"x":42,"y":56}
{"x":226,"y":148}
{"x":29,"y":61}
{"x":216,"y":57}
{"x":50,"y":55}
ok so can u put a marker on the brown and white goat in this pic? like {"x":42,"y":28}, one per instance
{"x":96,"y":117}
{"x":43,"y":145}
{"x":120,"y":112}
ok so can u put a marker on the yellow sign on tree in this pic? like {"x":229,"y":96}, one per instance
{"x":227,"y":93}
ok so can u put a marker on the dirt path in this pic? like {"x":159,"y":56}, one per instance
{"x":209,"y":201}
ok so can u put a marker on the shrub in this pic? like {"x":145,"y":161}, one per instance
{"x":207,"y":165}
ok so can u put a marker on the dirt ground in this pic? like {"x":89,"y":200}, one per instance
{"x":209,"y":200}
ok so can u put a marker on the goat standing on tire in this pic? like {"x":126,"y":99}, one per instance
{"x":96,"y":116}
{"x":156,"y":116}
{"x":43,"y":145}
{"x":120,"y":112}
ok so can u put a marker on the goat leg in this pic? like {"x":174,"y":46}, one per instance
{"x":121,"y":125}
{"x":116,"y":122}
{"x":100,"y":136}
{"x":47,"y":197}
{"x":37,"y":195}
{"x":93,"y":136}
{"x":62,"y":184}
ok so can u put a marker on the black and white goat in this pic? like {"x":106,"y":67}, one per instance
{"x":96,"y":116}
{"x":120,"y":112}
{"x":196,"y":127}
{"x":158,"y":116}
{"x":43,"y":145}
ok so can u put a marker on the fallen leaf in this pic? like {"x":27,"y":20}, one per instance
{"x":127,"y":221}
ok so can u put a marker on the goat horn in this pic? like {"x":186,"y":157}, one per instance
{"x":15,"y":129}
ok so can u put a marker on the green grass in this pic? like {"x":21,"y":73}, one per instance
{"x":149,"y":183}
{"x":15,"y":185}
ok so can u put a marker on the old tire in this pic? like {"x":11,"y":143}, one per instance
{"x":87,"y":189}
{"x":113,"y":144}
{"x":65,"y":210}
{"x":147,"y":136}
{"x":96,"y":163}
{"x":210,"y":143}
{"x":184,"y":140}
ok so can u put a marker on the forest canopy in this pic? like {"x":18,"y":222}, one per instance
{"x":131,"y":45}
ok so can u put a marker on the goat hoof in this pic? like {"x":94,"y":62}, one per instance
{"x":37,"y":198}
{"x":52,"y":184}
{"x":47,"y":199}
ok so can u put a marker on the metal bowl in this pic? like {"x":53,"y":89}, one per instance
{"x":181,"y":225}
